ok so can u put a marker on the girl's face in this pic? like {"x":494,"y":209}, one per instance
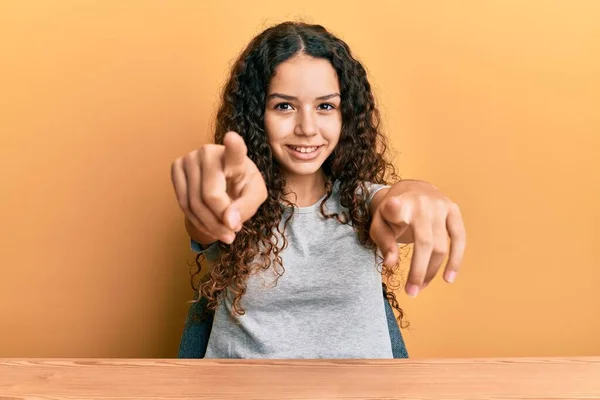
{"x":303,"y":119}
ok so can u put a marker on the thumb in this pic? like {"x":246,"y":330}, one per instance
{"x":251,"y":197}
{"x":234,"y":160}
{"x":396,"y":213}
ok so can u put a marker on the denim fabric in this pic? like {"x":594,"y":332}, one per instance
{"x":398,"y":346}
{"x":196,"y":332}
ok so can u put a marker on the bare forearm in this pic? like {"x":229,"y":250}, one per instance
{"x":199,"y":237}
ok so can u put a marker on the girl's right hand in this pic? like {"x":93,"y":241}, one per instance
{"x":218,"y":187}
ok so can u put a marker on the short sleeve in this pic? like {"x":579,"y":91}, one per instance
{"x":211,"y":252}
{"x":372,"y":189}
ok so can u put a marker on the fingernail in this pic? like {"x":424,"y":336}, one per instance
{"x":234,"y":219}
{"x":412,"y":290}
{"x":229,"y":238}
{"x":451,"y":276}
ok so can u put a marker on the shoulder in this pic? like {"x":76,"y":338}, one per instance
{"x":371,"y":190}
{"x":371,"y":187}
{"x":372,"y":193}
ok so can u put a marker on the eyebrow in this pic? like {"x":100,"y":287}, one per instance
{"x":291,"y":98}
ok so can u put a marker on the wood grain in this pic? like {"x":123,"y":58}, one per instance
{"x":516,"y":378}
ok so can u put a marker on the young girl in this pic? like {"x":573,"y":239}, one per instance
{"x":299,"y":210}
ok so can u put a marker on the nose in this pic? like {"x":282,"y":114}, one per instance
{"x":306,"y":124}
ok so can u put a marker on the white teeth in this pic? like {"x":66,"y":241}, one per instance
{"x":304,"y":149}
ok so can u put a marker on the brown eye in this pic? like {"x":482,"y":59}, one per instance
{"x":283,"y":106}
{"x":326,"y":106}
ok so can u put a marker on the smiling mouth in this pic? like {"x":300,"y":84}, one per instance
{"x":305,"y":149}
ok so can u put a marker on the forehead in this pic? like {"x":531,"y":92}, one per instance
{"x":305,"y":75}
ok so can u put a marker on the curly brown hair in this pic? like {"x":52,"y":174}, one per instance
{"x":360,"y":156}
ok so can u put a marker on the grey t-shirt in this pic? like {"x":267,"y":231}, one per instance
{"x":327,"y":304}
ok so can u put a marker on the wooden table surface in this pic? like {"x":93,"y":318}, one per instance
{"x":510,"y":378}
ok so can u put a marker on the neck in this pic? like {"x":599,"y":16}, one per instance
{"x":305,"y":190}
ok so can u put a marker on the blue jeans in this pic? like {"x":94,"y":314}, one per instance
{"x":196,"y":332}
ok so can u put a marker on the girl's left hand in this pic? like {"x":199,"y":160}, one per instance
{"x":417,"y":212}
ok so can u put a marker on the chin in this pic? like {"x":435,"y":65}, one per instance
{"x":306,"y":171}
{"x":302,"y":170}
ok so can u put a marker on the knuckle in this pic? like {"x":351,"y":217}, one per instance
{"x":183,"y":203}
{"x":441,"y":204}
{"x":454,"y":207}
{"x":424,"y":208}
{"x":195,"y":206}
{"x":425,"y":242}
{"x":204,"y":152}
{"x":423,"y":201}
{"x":460,"y":245}
{"x":194,"y":154}
{"x":390,"y":206}
{"x":176,"y":163}
{"x":197,"y":224}
{"x":440,"y":250}
{"x":211,"y":197}
{"x":188,"y":160}
{"x":176,"y":167}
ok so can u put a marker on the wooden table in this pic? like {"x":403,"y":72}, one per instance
{"x":530,"y":378}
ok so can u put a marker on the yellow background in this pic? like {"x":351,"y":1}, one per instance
{"x":496,"y":102}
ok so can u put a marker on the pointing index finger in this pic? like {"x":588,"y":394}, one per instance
{"x":234,"y":160}
{"x":383,"y":236}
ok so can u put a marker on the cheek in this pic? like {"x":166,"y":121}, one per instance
{"x":332,"y":129}
{"x":277,"y":127}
